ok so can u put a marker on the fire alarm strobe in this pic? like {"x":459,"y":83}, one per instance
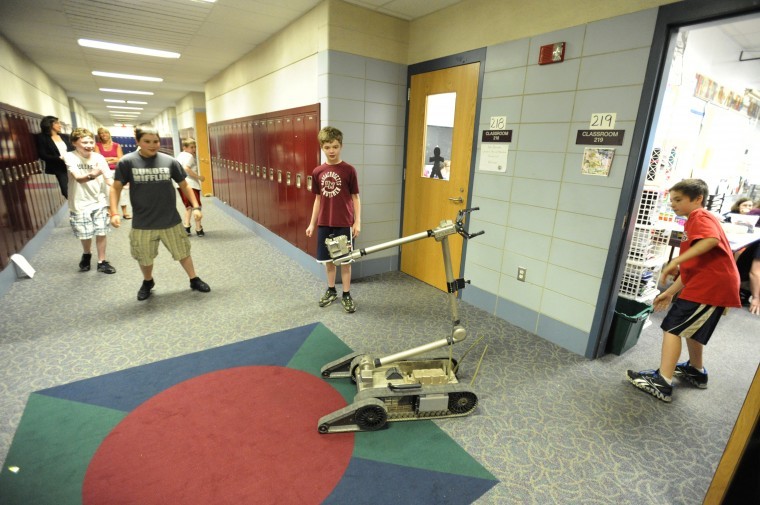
{"x":551,"y":53}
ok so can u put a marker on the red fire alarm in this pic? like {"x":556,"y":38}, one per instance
{"x":551,"y":53}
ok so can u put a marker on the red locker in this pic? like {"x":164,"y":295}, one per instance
{"x":262,"y":171}
{"x":312,"y":159}
{"x":287,"y":186}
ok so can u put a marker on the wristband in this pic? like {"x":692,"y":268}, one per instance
{"x":196,"y":208}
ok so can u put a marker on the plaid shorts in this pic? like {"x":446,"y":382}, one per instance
{"x":90,"y":224}
{"x":144,"y":243}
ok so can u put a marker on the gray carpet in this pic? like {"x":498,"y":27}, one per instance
{"x":552,"y":426}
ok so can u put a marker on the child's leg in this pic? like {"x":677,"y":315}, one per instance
{"x":100,"y":245}
{"x":345,"y":277}
{"x":671,"y":351}
{"x":695,"y":353}
{"x":332,"y":271}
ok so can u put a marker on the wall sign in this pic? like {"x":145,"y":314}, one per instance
{"x":494,"y":149}
{"x":603,"y":121}
{"x":600,"y":137}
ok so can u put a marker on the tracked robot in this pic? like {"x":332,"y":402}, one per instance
{"x":400,"y":387}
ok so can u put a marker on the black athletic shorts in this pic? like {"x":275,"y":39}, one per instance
{"x":323,"y":232}
{"x":693,"y":320}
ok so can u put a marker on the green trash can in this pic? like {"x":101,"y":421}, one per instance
{"x":627,"y":324}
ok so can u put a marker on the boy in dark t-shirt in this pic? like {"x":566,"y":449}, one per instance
{"x":149,"y":174}
{"x":336,"y":211}
{"x":708,"y":284}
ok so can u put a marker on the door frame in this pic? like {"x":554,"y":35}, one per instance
{"x":670,"y":18}
{"x":465,"y":58}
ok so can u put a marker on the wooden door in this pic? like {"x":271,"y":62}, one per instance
{"x":427,"y":201}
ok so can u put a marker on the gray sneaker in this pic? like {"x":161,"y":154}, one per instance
{"x":327,"y":298}
{"x":348,"y":304}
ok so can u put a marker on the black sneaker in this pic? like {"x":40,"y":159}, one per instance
{"x":348,"y":304}
{"x":197,"y":284}
{"x":691,"y":375}
{"x":144,"y":292}
{"x":200,"y":233}
{"x":106,"y":268}
{"x":187,"y":230}
{"x":330,"y":296}
{"x":650,"y":381}
{"x":84,"y":264}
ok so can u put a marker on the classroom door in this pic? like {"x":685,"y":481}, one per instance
{"x":437,"y":182}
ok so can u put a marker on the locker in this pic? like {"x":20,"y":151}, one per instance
{"x":302,"y":200}
{"x":250,"y":173}
{"x":311,"y":161}
{"x":262,"y":163}
{"x":273,"y":202}
{"x":287,"y":190}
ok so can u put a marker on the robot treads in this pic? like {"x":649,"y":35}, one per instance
{"x":401,"y":387}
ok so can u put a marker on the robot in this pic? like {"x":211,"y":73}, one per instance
{"x":400,"y":387}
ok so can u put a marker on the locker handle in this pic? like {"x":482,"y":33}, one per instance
{"x":279,"y":177}
{"x":271,"y":174}
{"x":298,"y":181}
{"x":287,"y":179}
{"x":308,"y":182}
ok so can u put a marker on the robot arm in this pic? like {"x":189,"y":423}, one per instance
{"x":341,"y":253}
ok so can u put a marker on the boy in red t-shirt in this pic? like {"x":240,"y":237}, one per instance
{"x":708,"y":285}
{"x":336,"y":212}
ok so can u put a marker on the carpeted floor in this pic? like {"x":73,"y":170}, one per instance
{"x":551,"y":427}
{"x":233,"y":424}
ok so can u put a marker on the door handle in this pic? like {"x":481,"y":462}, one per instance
{"x":456,"y":200}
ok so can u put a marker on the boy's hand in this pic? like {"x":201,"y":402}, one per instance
{"x":309,"y":231}
{"x":356,"y":229}
{"x":662,"y":301}
{"x":754,"y":306}
{"x":115,"y":220}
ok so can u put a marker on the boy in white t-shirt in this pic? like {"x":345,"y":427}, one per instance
{"x":187,"y":159}
{"x":89,"y":181}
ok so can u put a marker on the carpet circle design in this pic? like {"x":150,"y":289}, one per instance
{"x":223,"y":437}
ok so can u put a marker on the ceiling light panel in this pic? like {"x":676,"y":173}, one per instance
{"x":109,"y":46}
{"x":126,"y":76}
{"x":127,"y":91}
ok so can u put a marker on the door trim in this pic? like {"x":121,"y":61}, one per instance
{"x":465,"y":58}
{"x":670,"y":18}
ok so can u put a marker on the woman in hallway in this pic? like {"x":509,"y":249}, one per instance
{"x":51,"y":146}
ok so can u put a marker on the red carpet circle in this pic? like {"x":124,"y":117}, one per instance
{"x":245,"y":435}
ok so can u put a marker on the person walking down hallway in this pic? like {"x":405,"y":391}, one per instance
{"x":187,"y":159}
{"x":149,"y":174}
{"x":89,"y":178}
{"x":51,"y":146}
{"x":112,"y":152}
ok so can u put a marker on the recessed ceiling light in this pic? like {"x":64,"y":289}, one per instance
{"x":114,"y":100}
{"x":127,"y":76}
{"x":97,"y":44}
{"x":136,"y":102}
{"x":122,"y":107}
{"x":129,"y":92}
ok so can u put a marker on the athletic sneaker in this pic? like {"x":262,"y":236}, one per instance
{"x":144,"y":292}
{"x":650,"y":381}
{"x":84,"y":263}
{"x":691,"y":375}
{"x":200,"y":233}
{"x":327,"y":298}
{"x":187,"y":230}
{"x":348,"y":304}
{"x":106,"y":268}
{"x":196,"y":284}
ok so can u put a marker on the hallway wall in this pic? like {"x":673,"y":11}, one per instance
{"x":542,"y":213}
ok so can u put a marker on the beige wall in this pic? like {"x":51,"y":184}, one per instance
{"x":26,"y":86}
{"x":187,"y":107}
{"x":478,"y":23}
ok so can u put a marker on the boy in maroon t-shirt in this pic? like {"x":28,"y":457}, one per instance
{"x":708,"y":284}
{"x":336,"y":211}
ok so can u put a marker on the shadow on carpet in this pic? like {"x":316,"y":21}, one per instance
{"x":230,"y":425}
